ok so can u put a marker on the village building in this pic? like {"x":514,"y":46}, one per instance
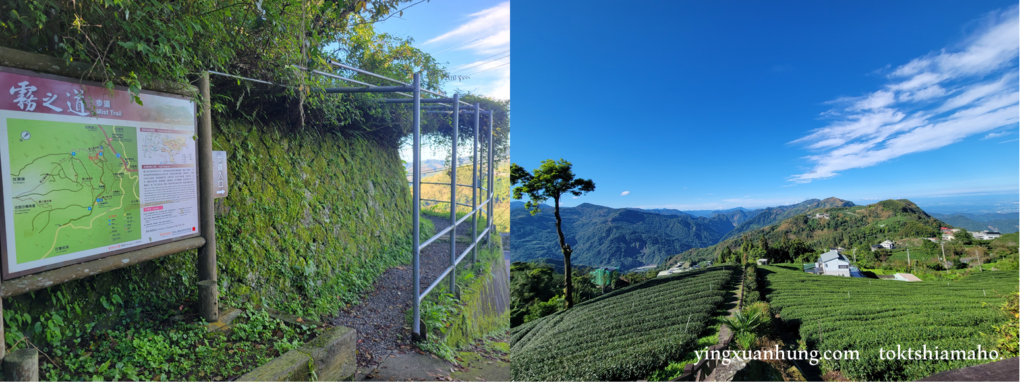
{"x":986,"y":235}
{"x":832,"y":263}
{"x":888,"y":245}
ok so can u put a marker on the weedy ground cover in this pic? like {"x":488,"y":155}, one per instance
{"x":173,"y":350}
{"x":841,"y":313}
{"x":623,"y":335}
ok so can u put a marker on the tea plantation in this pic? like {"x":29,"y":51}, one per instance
{"x":623,"y":335}
{"x":841,"y":313}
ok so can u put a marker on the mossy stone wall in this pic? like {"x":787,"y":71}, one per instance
{"x":485,"y":304}
{"x":310,"y":221}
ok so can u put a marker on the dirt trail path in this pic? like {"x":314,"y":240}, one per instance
{"x":734,"y":306}
{"x":379,"y":319}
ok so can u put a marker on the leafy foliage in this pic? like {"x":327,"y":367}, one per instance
{"x":624,"y":335}
{"x":1008,"y":335}
{"x":842,"y":313}
{"x":173,"y":351}
{"x":549,"y":182}
{"x":536,"y":287}
{"x":746,"y":321}
{"x":436,"y":196}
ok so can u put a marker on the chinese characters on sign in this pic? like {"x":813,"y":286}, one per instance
{"x":26,"y":101}
{"x":86,"y":172}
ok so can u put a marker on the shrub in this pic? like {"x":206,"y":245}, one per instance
{"x":745,"y":321}
{"x":746,"y":340}
{"x":1008,"y":334}
{"x":541,"y":309}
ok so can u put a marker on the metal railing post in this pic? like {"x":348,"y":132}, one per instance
{"x":416,"y":333}
{"x":455,"y":172}
{"x":490,"y":179}
{"x":476,"y":178}
{"x":207,"y":225}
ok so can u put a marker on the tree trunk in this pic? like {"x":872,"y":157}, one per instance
{"x":566,"y":253}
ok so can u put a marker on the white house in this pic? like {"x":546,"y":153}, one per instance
{"x":986,"y":235}
{"x":819,"y":216}
{"x":888,"y":245}
{"x":833,"y":263}
{"x":948,"y":237}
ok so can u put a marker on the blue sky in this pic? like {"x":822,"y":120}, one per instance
{"x":706,"y":105}
{"x":472,"y":37}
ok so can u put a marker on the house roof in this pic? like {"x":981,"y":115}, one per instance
{"x":832,"y":255}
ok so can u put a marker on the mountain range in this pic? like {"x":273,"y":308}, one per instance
{"x":847,"y":226}
{"x":1001,"y":222}
{"x":628,"y":237}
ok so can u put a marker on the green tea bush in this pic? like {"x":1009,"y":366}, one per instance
{"x":624,"y":335}
{"x":841,"y":313}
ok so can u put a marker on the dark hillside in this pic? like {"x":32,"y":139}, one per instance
{"x":603,"y":236}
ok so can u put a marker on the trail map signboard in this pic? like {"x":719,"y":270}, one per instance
{"x":88,"y":173}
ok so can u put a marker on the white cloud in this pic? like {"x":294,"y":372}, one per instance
{"x":994,"y":135}
{"x":575,"y":197}
{"x":494,"y":25}
{"x":931,"y":102}
{"x":487,"y":34}
{"x":624,"y":193}
{"x":1014,"y":140}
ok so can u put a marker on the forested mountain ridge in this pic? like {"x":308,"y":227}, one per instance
{"x":1004,"y":223}
{"x":772,"y":215}
{"x":846,"y":227}
{"x":735,"y":215}
{"x":603,"y":236}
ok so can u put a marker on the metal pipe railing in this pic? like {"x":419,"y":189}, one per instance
{"x":476,"y":185}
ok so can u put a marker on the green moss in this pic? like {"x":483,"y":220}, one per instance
{"x":311,"y":220}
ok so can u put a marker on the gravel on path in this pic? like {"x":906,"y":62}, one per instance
{"x":379,"y":319}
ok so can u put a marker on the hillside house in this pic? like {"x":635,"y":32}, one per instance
{"x":888,"y":245}
{"x":818,"y":216}
{"x":946,"y":230}
{"x":876,"y":247}
{"x":833,"y":263}
{"x":948,"y":237}
{"x":762,"y":261}
{"x":986,"y":235}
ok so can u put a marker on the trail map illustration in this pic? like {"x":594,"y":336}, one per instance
{"x":166,"y":148}
{"x":75,"y":186}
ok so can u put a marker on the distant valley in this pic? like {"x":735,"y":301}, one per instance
{"x":1002,"y":222}
{"x":630,"y":237}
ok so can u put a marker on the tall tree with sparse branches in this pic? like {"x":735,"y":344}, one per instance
{"x":552,"y":180}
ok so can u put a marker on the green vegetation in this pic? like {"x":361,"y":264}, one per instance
{"x":549,"y":182}
{"x":452,"y":322}
{"x":537,"y":289}
{"x":1007,"y":335}
{"x":772,"y":215}
{"x":619,"y":237}
{"x":847,"y":227}
{"x":840,"y":313}
{"x":169,"y":350}
{"x":624,"y":335}
{"x":440,"y":193}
